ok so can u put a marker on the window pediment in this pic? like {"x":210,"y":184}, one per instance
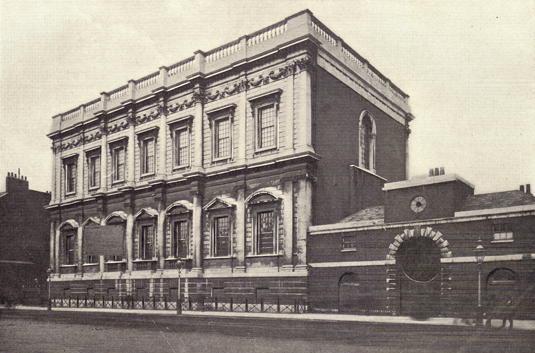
{"x":115,"y":217}
{"x":68,"y":225}
{"x":179,"y":207}
{"x":146,"y":213}
{"x":220,"y":203}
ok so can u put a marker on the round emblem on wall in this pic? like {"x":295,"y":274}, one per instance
{"x":418,"y":204}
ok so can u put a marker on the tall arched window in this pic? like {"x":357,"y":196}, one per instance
{"x":367,"y":141}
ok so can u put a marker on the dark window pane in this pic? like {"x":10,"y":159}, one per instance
{"x":222,"y":236}
{"x":265,"y":232}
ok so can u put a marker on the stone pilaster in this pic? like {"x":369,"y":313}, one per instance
{"x":129,"y":208}
{"x":304,"y":219}
{"x":198,"y":96}
{"x":197,"y":231}
{"x":131,"y":162}
{"x":162,"y":141}
{"x":103,"y":158}
{"x":288,"y":216}
{"x":240,"y":230}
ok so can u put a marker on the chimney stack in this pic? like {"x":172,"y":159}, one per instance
{"x":528,"y":189}
{"x":522,"y":188}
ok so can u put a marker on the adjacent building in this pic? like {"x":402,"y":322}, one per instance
{"x":415,"y":255}
{"x":24,"y":241}
{"x":223,"y":161}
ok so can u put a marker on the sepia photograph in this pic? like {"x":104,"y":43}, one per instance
{"x":253,"y":176}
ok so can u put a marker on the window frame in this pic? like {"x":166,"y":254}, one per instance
{"x":146,"y":166}
{"x":69,"y":247}
{"x":216,"y":123}
{"x":174,"y":251}
{"x":259,"y":102}
{"x":142,"y":253}
{"x":258,"y":203}
{"x":502,"y":232}
{"x":70,"y":169}
{"x":214,"y":235}
{"x":114,"y":151}
{"x":176,"y":152}
{"x":351,"y":245}
{"x":257,"y":235}
{"x":367,"y":142}
{"x":94,"y":162}
{"x":215,"y":117}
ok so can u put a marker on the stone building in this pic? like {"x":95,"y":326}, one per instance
{"x":24,"y":234}
{"x":223,"y":160}
{"x":415,"y":254}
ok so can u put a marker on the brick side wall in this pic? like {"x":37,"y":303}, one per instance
{"x":337,"y":112}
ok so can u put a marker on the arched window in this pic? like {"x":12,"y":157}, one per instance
{"x":69,"y":244}
{"x":367,"y":141}
{"x":178,"y":237}
{"x":145,"y":235}
{"x":264,"y":219}
{"x":220,"y":216}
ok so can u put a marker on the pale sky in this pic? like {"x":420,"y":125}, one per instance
{"x":468,"y":66}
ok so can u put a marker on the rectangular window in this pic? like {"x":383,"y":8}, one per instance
{"x":265,"y":232}
{"x":118,"y":159}
{"x":503,"y":231}
{"x":146,"y":241}
{"x":70,"y":178}
{"x":94,"y":172}
{"x":181,"y":147}
{"x":266,"y":127}
{"x":349,"y":242}
{"x":221,"y":236}
{"x":70,"y":243}
{"x":180,"y":239}
{"x":222,"y":135}
{"x":147,"y":156}
{"x":92,"y":259}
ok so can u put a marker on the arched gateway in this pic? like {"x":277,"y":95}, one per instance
{"x":417,"y":279}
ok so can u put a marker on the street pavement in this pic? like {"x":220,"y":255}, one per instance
{"x":437,"y":321}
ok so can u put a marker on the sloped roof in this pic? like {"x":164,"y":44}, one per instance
{"x":375,"y":213}
{"x":498,"y":200}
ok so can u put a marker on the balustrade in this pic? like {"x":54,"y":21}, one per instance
{"x":180,"y":66}
{"x":147,"y":80}
{"x":268,"y":33}
{"x":223,"y":51}
{"x":323,"y":32}
{"x":119,"y":92}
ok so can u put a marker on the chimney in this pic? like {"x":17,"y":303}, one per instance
{"x":522,"y":188}
{"x":436,"y":171}
{"x":528,"y":189}
{"x":16,"y":183}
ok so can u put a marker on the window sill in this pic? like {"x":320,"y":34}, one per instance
{"x":69,"y":265}
{"x":349,"y":250}
{"x":221,"y":159}
{"x":263,"y":255}
{"x":502,"y":241}
{"x":219,"y":257}
{"x":115,"y":262}
{"x":179,"y":168}
{"x":70,"y":194}
{"x":265,"y":149}
{"x":91,"y":264}
{"x":117,"y":182}
{"x":143,"y":260}
{"x":147,"y":175}
{"x":93,"y":189}
{"x":176,"y":259}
